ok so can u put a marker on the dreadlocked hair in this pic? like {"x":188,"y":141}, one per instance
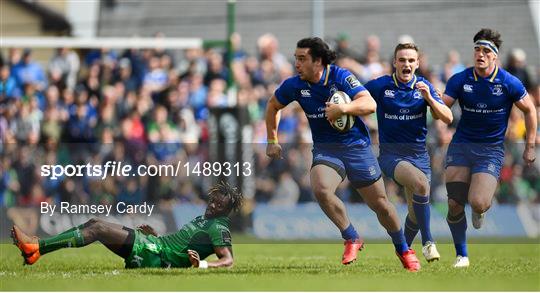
{"x":225,"y":189}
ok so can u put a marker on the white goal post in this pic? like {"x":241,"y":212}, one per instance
{"x":109,"y":42}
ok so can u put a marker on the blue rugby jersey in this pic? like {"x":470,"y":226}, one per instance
{"x":485,"y":104}
{"x":312,"y":99}
{"x":401,"y":114}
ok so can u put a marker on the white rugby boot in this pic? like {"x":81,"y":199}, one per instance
{"x":430,"y":251}
{"x":461,"y":262}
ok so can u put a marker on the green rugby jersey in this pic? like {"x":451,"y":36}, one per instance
{"x":201,"y":235}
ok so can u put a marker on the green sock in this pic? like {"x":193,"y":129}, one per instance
{"x":70,"y":238}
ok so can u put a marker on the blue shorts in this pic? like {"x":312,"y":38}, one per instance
{"x":356,"y":162}
{"x":479,"y":158}
{"x":389,"y":162}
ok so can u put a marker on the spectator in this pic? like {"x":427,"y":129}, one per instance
{"x":452,"y":66}
{"x":268,"y":47}
{"x":373,"y":46}
{"x":163,"y":135}
{"x":26,"y":71}
{"x":236,"y":44}
{"x":216,"y":68}
{"x":9,"y":183}
{"x":8,"y":86}
{"x":26,"y":126}
{"x":130,"y":192}
{"x":80,"y":126}
{"x":286,"y":192}
{"x":516,"y":65}
{"x":197,"y":95}
{"x":125,"y":75}
{"x":67,"y":63}
{"x":156,"y":78}
{"x":344,"y":49}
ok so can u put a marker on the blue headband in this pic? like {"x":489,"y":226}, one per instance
{"x":488,"y":44}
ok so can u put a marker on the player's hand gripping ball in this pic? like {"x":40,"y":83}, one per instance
{"x":344,"y":122}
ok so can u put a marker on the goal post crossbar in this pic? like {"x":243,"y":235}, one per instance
{"x":105,"y":42}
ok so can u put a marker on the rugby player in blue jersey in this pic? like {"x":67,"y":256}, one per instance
{"x":402,"y":101}
{"x":337,"y":154}
{"x":486,"y":94}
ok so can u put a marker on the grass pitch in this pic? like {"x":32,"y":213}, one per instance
{"x":280,"y":267}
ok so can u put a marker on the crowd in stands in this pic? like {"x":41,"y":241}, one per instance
{"x":151,"y":106}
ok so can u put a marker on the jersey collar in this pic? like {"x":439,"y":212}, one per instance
{"x":399,"y":84}
{"x":325,"y":75}
{"x":491,"y":77}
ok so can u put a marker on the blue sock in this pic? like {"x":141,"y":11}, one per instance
{"x":422,"y":212}
{"x":398,"y":238}
{"x":350,"y":233}
{"x":458,"y":227}
{"x":411,"y":229}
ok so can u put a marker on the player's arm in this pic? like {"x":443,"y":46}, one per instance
{"x":452,"y":90}
{"x":529,"y":110}
{"x":431,"y":109}
{"x":224,"y":254}
{"x":438,"y":110}
{"x":448,"y":101}
{"x":273,"y":149}
{"x":361,"y":104}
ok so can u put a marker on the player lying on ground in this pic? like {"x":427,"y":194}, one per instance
{"x":142,"y":247}
{"x":486,"y":94}
{"x":403,"y":153}
{"x":337,"y":154}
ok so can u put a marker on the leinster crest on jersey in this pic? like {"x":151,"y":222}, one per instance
{"x":497,"y":90}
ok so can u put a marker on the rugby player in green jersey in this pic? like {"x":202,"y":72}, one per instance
{"x":142,"y":247}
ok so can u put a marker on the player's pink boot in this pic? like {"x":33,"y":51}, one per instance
{"x":409,"y":260}
{"x":351,"y":250}
{"x":28,"y":246}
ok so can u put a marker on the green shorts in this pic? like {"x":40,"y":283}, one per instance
{"x":146,"y":252}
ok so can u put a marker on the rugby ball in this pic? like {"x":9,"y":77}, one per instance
{"x":345,"y":122}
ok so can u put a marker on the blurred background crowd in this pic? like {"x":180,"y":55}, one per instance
{"x":151,"y":106}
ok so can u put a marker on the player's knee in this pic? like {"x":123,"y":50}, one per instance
{"x":323,"y":194}
{"x":421,"y":185}
{"x":92,"y":222}
{"x":381,"y":206}
{"x":480,"y":206}
{"x":454,"y":207}
{"x":95,"y":226}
